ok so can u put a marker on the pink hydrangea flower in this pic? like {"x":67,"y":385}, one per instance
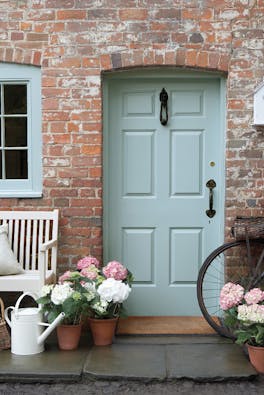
{"x":90,"y":272}
{"x":87,"y":261}
{"x":254,"y":296}
{"x":231,"y":295}
{"x":64,"y":276}
{"x":115,"y":270}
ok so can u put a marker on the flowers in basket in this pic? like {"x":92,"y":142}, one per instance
{"x":244,"y":313}
{"x":68,"y":296}
{"x":105,"y":288}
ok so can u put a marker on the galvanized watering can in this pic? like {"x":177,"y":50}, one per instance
{"x":27,"y":329}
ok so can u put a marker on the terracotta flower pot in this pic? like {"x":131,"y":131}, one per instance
{"x":69,"y":336}
{"x":256,"y":357}
{"x":103,"y":330}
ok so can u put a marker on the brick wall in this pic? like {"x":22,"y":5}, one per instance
{"x":75,"y":40}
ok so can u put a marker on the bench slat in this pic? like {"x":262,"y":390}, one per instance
{"x":27,"y":231}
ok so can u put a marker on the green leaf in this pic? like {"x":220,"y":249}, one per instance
{"x":259,"y":335}
{"x":43,"y":300}
{"x":242,"y":337}
{"x":53,"y":315}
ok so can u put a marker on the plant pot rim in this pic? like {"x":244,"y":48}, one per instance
{"x":249,"y":345}
{"x":103,"y":319}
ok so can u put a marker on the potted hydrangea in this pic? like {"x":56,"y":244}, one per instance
{"x":70,"y":297}
{"x":107,"y":288}
{"x":244,"y":315}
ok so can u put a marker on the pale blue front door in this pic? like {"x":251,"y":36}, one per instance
{"x":155,"y":193}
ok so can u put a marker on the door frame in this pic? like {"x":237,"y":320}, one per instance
{"x":158,"y":73}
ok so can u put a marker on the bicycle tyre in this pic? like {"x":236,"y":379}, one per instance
{"x":228,"y":262}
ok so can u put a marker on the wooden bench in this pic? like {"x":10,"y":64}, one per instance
{"x":33,"y":237}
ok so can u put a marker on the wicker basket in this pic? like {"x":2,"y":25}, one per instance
{"x":4,"y":334}
{"x":248,"y":227}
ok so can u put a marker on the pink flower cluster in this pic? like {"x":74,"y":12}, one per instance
{"x":65,"y":276}
{"x":115,"y":270}
{"x":231,"y":295}
{"x":90,"y":272}
{"x":87,"y":261}
{"x":254,"y":296}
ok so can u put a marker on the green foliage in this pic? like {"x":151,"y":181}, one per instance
{"x":230,"y":317}
{"x":251,"y":334}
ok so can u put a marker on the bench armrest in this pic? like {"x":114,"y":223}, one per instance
{"x":46,"y":246}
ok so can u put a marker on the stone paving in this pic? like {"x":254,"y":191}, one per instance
{"x":134,"y":365}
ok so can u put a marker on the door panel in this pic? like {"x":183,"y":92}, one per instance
{"x":155,"y":188}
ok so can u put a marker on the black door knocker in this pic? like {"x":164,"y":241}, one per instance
{"x":164,"y":107}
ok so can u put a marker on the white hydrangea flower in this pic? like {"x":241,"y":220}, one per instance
{"x":100,"y":307}
{"x":251,"y":313}
{"x":45,"y":290}
{"x":113,"y":290}
{"x":90,"y":286}
{"x":60,"y":293}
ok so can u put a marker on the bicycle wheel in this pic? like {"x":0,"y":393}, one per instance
{"x":228,"y":262}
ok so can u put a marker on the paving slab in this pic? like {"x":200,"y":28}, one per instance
{"x":126,"y":361}
{"x":208,"y":362}
{"x":49,"y":366}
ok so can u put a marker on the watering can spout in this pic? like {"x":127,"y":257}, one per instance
{"x":50,"y":328}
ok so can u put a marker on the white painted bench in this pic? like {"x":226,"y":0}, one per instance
{"x":33,"y":237}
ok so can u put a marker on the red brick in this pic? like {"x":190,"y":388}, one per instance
{"x":202,"y":60}
{"x":180,"y":57}
{"x":105,"y":62}
{"x":133,"y":14}
{"x":191,"y":58}
{"x":15,"y":36}
{"x":37,"y":37}
{"x":36,"y":60}
{"x":71,"y":14}
{"x":236,"y":104}
{"x":213,"y":60}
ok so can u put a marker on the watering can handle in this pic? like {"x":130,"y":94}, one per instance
{"x":6,"y":315}
{"x":34,"y":296}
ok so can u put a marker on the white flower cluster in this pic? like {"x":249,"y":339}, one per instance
{"x":253,"y":313}
{"x":45,"y":290}
{"x":91,"y":290}
{"x":112,"y":290}
{"x":100,"y":307}
{"x":60,"y":293}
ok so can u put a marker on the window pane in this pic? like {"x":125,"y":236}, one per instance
{"x":15,"y":132}
{"x":15,"y":99}
{"x":0,"y":134}
{"x":16,"y":164}
{"x":1,"y":174}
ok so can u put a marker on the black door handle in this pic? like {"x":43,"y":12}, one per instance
{"x":211,"y":184}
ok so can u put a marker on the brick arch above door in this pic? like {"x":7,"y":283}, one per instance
{"x":181,"y":57}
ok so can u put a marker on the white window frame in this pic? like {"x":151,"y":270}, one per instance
{"x":31,"y":76}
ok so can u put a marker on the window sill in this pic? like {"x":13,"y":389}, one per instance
{"x":20,"y":194}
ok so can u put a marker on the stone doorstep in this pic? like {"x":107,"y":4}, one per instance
{"x":138,"y":358}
